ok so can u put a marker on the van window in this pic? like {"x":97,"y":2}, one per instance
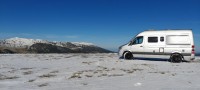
{"x":137,"y":40}
{"x":178,"y":40}
{"x":152,"y":39}
{"x":161,"y":39}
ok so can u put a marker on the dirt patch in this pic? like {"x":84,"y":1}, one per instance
{"x":130,"y":70}
{"x":25,"y":68}
{"x":43,"y":85}
{"x":161,"y":72}
{"x":88,"y":63}
{"x":4,"y":77}
{"x":88,"y":76}
{"x":76,"y":75}
{"x":47,"y":76}
{"x":27,"y":72}
{"x":56,"y":71}
{"x":32,"y":80}
{"x":114,"y":75}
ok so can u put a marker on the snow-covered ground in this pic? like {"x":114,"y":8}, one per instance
{"x":94,"y":72}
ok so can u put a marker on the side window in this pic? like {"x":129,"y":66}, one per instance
{"x":161,"y":39}
{"x":138,"y":40}
{"x":152,"y":39}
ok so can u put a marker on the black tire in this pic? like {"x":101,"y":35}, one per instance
{"x":128,"y":55}
{"x":176,"y":58}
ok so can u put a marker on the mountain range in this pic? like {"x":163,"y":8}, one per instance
{"x":24,"y":45}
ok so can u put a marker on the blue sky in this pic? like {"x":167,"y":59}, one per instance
{"x":106,"y":23}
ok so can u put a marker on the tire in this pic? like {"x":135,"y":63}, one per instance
{"x":128,"y":56}
{"x":176,"y":58}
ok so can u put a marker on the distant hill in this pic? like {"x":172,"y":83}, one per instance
{"x":23,"y":45}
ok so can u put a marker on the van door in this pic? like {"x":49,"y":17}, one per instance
{"x":136,"y":46}
{"x":152,"y":45}
{"x":162,"y":44}
{"x":155,"y":45}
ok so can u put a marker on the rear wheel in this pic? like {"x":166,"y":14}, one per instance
{"x":128,"y":55}
{"x":176,"y":58}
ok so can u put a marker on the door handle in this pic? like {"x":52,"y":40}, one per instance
{"x":141,"y":46}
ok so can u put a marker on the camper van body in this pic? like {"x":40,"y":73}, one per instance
{"x":160,"y":44}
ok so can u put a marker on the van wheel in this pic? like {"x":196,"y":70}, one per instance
{"x":128,"y":55}
{"x":176,"y":58}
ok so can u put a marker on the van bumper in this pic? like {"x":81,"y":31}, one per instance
{"x":193,"y":57}
{"x":189,"y":58}
{"x":120,"y":53}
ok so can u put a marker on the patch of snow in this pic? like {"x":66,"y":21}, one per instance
{"x":137,"y":84}
{"x":82,"y":43}
{"x":94,"y":72}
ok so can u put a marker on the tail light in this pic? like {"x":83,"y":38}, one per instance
{"x":193,"y":51}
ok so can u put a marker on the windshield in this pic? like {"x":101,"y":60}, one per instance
{"x":132,"y":39}
{"x":137,"y":40}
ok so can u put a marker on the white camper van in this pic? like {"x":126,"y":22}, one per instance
{"x":175,"y":45}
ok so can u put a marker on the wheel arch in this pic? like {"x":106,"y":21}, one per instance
{"x":125,"y":52}
{"x":127,"y":55}
{"x":176,"y":52}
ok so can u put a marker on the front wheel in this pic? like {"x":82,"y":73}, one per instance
{"x":176,"y":58}
{"x":128,"y":56}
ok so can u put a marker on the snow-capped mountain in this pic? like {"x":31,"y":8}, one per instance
{"x":82,"y":43}
{"x":24,"y":42}
{"x":20,"y":42}
{"x":44,"y":46}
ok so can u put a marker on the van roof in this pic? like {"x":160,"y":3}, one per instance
{"x":168,"y":31}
